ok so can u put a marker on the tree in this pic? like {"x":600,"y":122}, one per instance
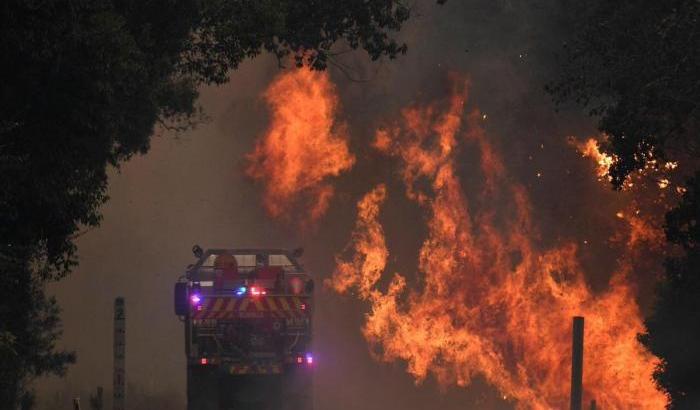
{"x":673,"y":328}
{"x":228,"y":32}
{"x":32,"y":328}
{"x":84,"y":84}
{"x":635,"y":66}
{"x":83,"y":87}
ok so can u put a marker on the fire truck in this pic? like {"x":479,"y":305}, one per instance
{"x":247,"y":315}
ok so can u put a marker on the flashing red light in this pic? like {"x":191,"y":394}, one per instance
{"x":203,"y":360}
{"x":256,"y":291}
{"x":303,"y":306}
{"x":300,"y":360}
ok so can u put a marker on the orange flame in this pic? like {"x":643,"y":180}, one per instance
{"x":653,"y":168}
{"x":492,"y":302}
{"x":591,"y":149}
{"x":641,"y":232}
{"x":303,"y":146}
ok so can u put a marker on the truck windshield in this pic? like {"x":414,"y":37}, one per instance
{"x":279,"y":260}
{"x":245,"y":263}
{"x":249,"y":261}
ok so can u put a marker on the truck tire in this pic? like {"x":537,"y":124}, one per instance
{"x":251,"y":392}
{"x":202,"y":389}
{"x":297,"y":389}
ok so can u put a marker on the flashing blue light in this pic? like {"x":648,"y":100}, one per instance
{"x":241,"y":291}
{"x":195,"y":299}
{"x":309,"y":359}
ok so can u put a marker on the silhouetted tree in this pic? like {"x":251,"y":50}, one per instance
{"x":28,"y":401}
{"x":635,"y":65}
{"x":84,"y":84}
{"x":228,"y":32}
{"x":673,"y":329}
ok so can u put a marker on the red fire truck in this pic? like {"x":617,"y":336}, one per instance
{"x":248,"y":327}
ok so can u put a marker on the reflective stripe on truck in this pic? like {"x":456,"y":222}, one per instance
{"x":268,"y":306}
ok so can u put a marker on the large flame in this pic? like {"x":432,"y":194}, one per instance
{"x":303,"y":146}
{"x":491,"y":301}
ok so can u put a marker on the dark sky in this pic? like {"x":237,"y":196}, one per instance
{"x":190,"y":189}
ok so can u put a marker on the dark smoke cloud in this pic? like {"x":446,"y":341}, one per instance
{"x":191,"y":189}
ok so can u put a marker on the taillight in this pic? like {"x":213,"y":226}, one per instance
{"x":308,"y":358}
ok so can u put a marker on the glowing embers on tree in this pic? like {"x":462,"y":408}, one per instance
{"x":591,"y":148}
{"x":492,"y":302}
{"x":302,"y":148}
{"x":654,"y":169}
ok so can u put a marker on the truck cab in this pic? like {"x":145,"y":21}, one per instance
{"x":247,"y":315}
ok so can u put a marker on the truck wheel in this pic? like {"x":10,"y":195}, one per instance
{"x":251,"y":392}
{"x":298,"y":389}
{"x":202,"y":389}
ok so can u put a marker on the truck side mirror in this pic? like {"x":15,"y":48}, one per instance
{"x":298,"y":252}
{"x":181,"y":302}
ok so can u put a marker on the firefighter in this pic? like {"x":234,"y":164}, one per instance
{"x":226,"y":270}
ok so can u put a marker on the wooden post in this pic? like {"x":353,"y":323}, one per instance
{"x":577,"y":364}
{"x":119,"y":376}
{"x":593,"y":405}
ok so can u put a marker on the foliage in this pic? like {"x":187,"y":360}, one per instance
{"x":634,"y":64}
{"x":673,"y":329}
{"x":84,"y":84}
{"x":305,"y":29}
{"x":29,"y":345}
